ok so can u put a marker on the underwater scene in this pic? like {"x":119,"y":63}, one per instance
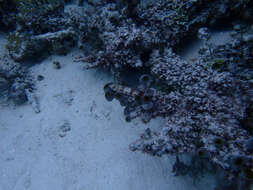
{"x":126,"y":94}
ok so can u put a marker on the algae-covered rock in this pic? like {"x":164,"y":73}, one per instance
{"x":21,"y":46}
{"x":60,"y":42}
{"x":27,"y":47}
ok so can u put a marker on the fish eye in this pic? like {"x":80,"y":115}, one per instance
{"x":109,"y":96}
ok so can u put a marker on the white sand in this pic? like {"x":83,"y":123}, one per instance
{"x":93,"y":154}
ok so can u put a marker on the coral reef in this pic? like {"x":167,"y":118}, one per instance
{"x":207,"y":108}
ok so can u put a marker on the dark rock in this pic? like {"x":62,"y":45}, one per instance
{"x":40,"y":77}
{"x":4,"y":84}
{"x":57,"y":64}
{"x":64,"y":129}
